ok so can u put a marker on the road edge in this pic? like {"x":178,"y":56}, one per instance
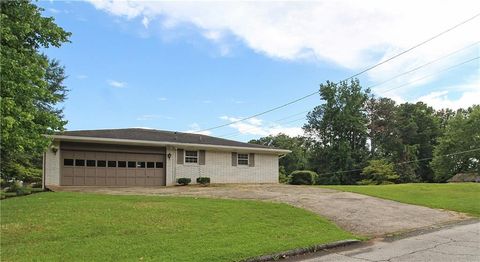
{"x":302,"y":251}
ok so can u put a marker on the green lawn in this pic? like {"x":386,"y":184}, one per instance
{"x":462,"y":197}
{"x":89,"y":227}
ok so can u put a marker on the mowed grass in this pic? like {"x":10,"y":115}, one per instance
{"x":89,"y":227}
{"x":461,"y":197}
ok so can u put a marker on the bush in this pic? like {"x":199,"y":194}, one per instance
{"x":36,"y":185}
{"x":380,"y":172}
{"x":13,"y":187}
{"x":203,"y":180}
{"x":303,"y":177}
{"x":2,"y":194}
{"x":184,"y":181}
{"x":23,"y":191}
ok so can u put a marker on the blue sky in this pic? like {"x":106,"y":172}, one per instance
{"x":189,"y":66}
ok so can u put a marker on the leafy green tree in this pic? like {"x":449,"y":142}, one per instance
{"x":379,"y":172}
{"x":462,"y":133}
{"x":339,"y":128}
{"x":296,"y":160}
{"x":419,"y":129}
{"x":31,"y":86}
{"x":383,"y":129}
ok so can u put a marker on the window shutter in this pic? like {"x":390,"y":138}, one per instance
{"x":234,"y":159}
{"x":202,"y":157}
{"x":251,"y":160}
{"x":180,"y":156}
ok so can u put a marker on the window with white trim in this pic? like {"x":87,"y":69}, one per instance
{"x":191,"y":156}
{"x":242,"y":159}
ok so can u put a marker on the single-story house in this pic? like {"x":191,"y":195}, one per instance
{"x":147,"y":157}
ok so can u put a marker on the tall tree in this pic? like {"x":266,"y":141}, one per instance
{"x":339,"y":127}
{"x":462,"y":133}
{"x":419,"y":129}
{"x":31,"y":85}
{"x":297,"y":159}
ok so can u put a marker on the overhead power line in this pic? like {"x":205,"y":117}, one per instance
{"x":350,"y":77}
{"x":424,"y":65}
{"x":276,"y":121}
{"x":405,"y":162}
{"x":430,"y":75}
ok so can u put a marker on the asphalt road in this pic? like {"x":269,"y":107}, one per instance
{"x":457,"y":243}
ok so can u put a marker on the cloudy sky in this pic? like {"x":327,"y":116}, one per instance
{"x":188,"y":66}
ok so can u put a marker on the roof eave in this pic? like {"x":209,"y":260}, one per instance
{"x":164,"y":143}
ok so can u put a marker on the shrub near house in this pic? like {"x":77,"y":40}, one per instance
{"x":303,"y":177}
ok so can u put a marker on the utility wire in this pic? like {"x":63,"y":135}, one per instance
{"x":430,"y":75}
{"x":276,"y":121}
{"x":292,"y":121}
{"x":353,"y":76}
{"x":388,"y":90}
{"x":405,"y":162}
{"x":424,"y":65}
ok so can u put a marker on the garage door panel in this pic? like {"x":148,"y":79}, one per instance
{"x":85,"y":168}
{"x":89,"y":181}
{"x":131,"y":182}
{"x":67,"y":181}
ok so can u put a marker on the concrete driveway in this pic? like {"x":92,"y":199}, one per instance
{"x":360,"y":214}
{"x":460,"y":244}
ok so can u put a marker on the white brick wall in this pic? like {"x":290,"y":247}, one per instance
{"x":52,"y":166}
{"x":218,"y":166}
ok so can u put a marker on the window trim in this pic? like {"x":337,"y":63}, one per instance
{"x":248,"y":160}
{"x":185,"y":157}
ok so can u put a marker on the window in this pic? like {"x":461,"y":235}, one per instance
{"x":122,"y":163}
{"x":140,"y":164}
{"x":191,"y":156}
{"x":79,"y":162}
{"x":112,"y":163}
{"x":101,"y":163}
{"x":159,"y":164}
{"x":132,"y":164}
{"x":68,"y":162}
{"x":242,"y":159}
{"x":150,"y":164}
{"x":91,"y":162}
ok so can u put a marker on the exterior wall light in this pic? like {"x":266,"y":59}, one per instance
{"x":169,"y":155}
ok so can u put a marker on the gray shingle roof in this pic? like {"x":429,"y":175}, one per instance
{"x":159,"y":136}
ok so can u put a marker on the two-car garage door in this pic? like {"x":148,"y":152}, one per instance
{"x":89,"y":168}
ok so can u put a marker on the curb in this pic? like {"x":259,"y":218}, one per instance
{"x":301,"y":251}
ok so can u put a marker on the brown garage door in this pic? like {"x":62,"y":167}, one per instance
{"x":85,"y":168}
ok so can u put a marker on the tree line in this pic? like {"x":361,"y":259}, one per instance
{"x":353,"y":137}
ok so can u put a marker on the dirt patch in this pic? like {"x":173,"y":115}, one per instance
{"x":360,"y":214}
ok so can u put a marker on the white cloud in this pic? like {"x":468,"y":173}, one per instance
{"x":82,"y":76}
{"x":195,"y":129}
{"x":117,"y":84}
{"x":153,"y":117}
{"x":145,"y":21}
{"x":207,"y":101}
{"x":349,"y":33}
{"x":256,"y":126}
{"x":162,"y":99}
{"x":470,"y":95}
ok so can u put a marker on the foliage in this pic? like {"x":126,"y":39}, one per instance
{"x":297,"y":159}
{"x":282,"y":176}
{"x":379,"y":172}
{"x":462,"y":133}
{"x":339,"y":128}
{"x":31,"y":87}
{"x":184,"y":181}
{"x":461,"y":197}
{"x":151,"y":228}
{"x":303,"y":177}
{"x":203,"y":180}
